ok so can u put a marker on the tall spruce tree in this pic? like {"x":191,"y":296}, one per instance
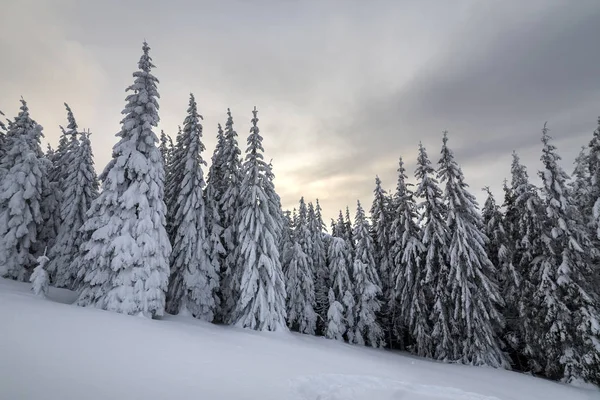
{"x":473,"y":290}
{"x":21,"y":188}
{"x":164,"y":147}
{"x":319,"y":265}
{"x":341,"y":298}
{"x":194,"y":276}
{"x":500,"y":250}
{"x":230,"y":204}
{"x":435,"y":238}
{"x":594,"y":168}
{"x":53,"y":191}
{"x":301,"y":313}
{"x":381,"y":224}
{"x":173,"y":178}
{"x":410,"y":291}
{"x":214,"y":221}
{"x":581,"y":185}
{"x":127,"y":256}
{"x":568,"y":319}
{"x":367,"y":287}
{"x":524,"y":216}
{"x":261,"y":304}
{"x":80,"y":189}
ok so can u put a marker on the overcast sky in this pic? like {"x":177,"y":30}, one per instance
{"x":342,"y":87}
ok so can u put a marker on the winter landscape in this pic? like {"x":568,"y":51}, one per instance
{"x":180,"y":271}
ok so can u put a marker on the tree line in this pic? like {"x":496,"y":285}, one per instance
{"x":515,"y":285}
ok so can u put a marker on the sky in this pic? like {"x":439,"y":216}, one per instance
{"x":343,"y":88}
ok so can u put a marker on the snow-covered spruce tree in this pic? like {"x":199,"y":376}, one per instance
{"x":80,"y":189}
{"x":230,"y":213}
{"x":302,"y":232}
{"x":594,"y":168}
{"x":473,"y":291}
{"x":410,"y":291}
{"x":21,"y":189}
{"x":367,"y":287}
{"x":339,"y":229}
{"x":349,"y":231}
{"x":287,"y":242}
{"x":381,"y":225}
{"x":126,"y":258}
{"x":53,"y":191}
{"x":194,"y":275}
{"x":319,"y":264}
{"x":568,"y":319}
{"x":336,"y":325}
{"x":273,"y":202}
{"x":435,"y":238}
{"x":500,"y":250}
{"x":212,"y":198}
{"x":164,"y":147}
{"x":261,"y":304}
{"x":581,"y":185}
{"x":174,"y":171}
{"x":215,"y":182}
{"x":523,"y":216}
{"x":39,"y":278}
{"x":342,"y":291}
{"x":301,"y":315}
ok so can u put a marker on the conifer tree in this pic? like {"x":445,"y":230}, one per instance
{"x":568,"y":327}
{"x":230,"y":204}
{"x":500,"y":250}
{"x":216,"y":180}
{"x":164,"y":147}
{"x":594,"y":168}
{"x":408,"y":254}
{"x":80,"y":189}
{"x":127,"y":256}
{"x":319,"y":264}
{"x":472,"y":288}
{"x":39,"y":278}
{"x":303,"y":234}
{"x":580,"y":186}
{"x":367,"y":287}
{"x":212,"y":196}
{"x":349,"y":231}
{"x":524,"y":215}
{"x":335,"y":319}
{"x":261,"y":304}
{"x":287,"y":242}
{"x":53,"y":191}
{"x":340,"y":229}
{"x":21,"y":190}
{"x":194,"y":275}
{"x":342,"y":291}
{"x":435,"y":238}
{"x":174,"y":172}
{"x":301,"y":315}
{"x":381,"y":222}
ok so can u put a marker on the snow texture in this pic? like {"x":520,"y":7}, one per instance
{"x":53,"y":343}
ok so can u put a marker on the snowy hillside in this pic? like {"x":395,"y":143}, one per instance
{"x":50,"y":349}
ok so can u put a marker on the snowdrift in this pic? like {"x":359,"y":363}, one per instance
{"x":50,"y":349}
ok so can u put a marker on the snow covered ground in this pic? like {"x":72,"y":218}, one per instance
{"x":50,"y":349}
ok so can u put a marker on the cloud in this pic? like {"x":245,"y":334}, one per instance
{"x":343,"y":88}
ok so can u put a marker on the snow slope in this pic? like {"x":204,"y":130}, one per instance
{"x":50,"y":349}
